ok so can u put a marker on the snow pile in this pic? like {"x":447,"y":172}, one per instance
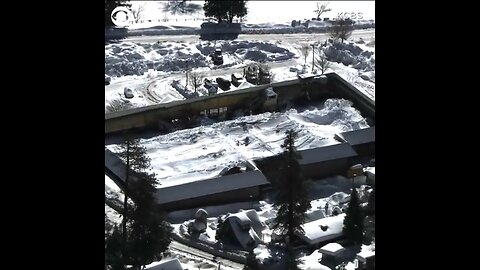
{"x":129,"y":58}
{"x":312,"y":262}
{"x":203,"y":152}
{"x":350,"y":54}
{"x":248,"y":50}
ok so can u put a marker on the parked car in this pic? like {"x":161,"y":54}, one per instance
{"x":107,"y":80}
{"x":128,"y":92}
{"x":223,"y":84}
{"x":217,"y":57}
{"x":237,"y":79}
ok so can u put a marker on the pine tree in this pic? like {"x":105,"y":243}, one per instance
{"x":145,"y":233}
{"x":113,"y":250}
{"x":291,"y":202}
{"x":137,"y":162}
{"x":353,"y":226}
{"x":225,"y":10}
{"x":252,"y":263}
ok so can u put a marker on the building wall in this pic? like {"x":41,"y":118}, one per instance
{"x":366,"y":149}
{"x":326,"y":169}
{"x":219,"y":198}
{"x":287,"y":90}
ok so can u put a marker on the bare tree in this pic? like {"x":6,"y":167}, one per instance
{"x":321,"y":8}
{"x":322,"y":63}
{"x":305,"y":50}
{"x":196,"y":79}
{"x":342,"y":29}
{"x":137,"y":12}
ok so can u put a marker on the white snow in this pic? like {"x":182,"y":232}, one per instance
{"x":332,"y":227}
{"x":112,"y":190}
{"x":128,"y":58}
{"x":312,"y":262}
{"x":113,"y":216}
{"x":366,"y":252}
{"x":202,"y":152}
{"x":331,"y":248}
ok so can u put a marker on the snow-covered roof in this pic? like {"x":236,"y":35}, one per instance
{"x":315,"y":234}
{"x":326,"y":153}
{"x":172,"y":264}
{"x":332,"y":249}
{"x":366,"y":252}
{"x":246,"y":219}
{"x":201,"y":212}
{"x":359,"y":136}
{"x":210,"y":186}
{"x":245,"y":84}
{"x":240,"y":217}
{"x":370,"y":172}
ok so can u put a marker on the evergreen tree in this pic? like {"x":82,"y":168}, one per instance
{"x":252,"y":263}
{"x":291,"y":202}
{"x":353,"y":226}
{"x":225,"y":10}
{"x":113,"y":250}
{"x":145,"y":233}
{"x":110,"y":6}
{"x":137,"y":163}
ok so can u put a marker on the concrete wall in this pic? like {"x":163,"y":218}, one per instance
{"x":287,"y":90}
{"x":360,"y":100}
{"x":214,"y":199}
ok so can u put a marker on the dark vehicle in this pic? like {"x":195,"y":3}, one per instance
{"x":264,"y":76}
{"x":237,"y":79}
{"x":223,"y":84}
{"x":128,"y":92}
{"x":217,"y":57}
{"x":107,"y":80}
{"x":212,"y":88}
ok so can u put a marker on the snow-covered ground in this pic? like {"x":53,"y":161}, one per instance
{"x":128,"y":58}
{"x":331,"y":190}
{"x":156,"y":66}
{"x":202,"y":152}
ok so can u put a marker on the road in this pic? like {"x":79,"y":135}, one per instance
{"x":182,"y":249}
{"x":365,"y":34}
